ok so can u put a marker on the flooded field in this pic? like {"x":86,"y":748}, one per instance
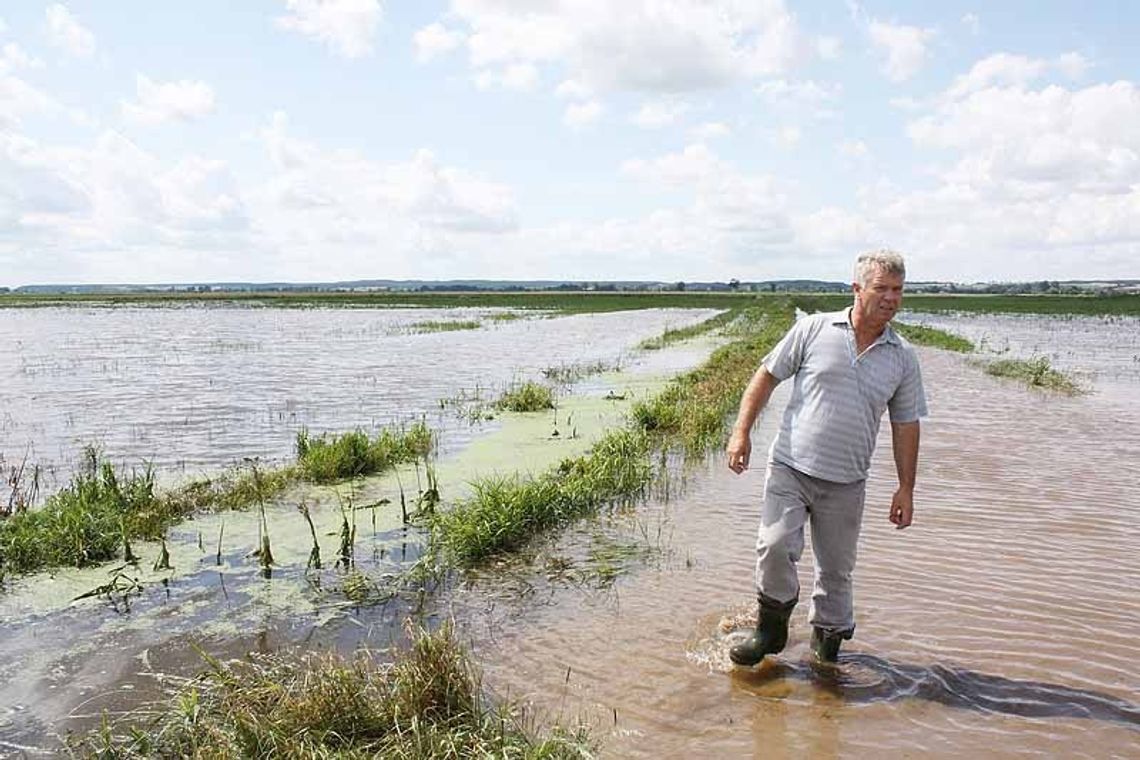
{"x":195,"y":388}
{"x":1005,"y":622}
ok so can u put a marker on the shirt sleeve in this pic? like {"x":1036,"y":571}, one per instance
{"x":785,"y":359}
{"x":909,"y":402}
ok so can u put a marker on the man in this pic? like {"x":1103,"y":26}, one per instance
{"x":848,"y":367}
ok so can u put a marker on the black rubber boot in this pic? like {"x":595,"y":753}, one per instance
{"x":770,"y":636}
{"x":825,"y":644}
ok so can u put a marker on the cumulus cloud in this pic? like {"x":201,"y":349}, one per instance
{"x":521,"y":77}
{"x":639,"y":45}
{"x":711,"y":130}
{"x":903,"y":48}
{"x":65,"y":32}
{"x":582,"y":115}
{"x":435,"y":40}
{"x":160,"y":102}
{"x":347,"y":27}
{"x":659,"y":113}
{"x":800,"y":100}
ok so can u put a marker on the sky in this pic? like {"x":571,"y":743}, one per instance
{"x":699,"y":140}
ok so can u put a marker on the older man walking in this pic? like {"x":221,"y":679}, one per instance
{"x":847,"y":368}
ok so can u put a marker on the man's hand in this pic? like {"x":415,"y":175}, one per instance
{"x":902,"y":508}
{"x":739,"y":450}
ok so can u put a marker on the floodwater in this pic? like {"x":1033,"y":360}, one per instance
{"x":208,"y":386}
{"x":1005,"y":622}
{"x":196,"y":388}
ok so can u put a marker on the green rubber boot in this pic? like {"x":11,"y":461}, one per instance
{"x":825,"y":644}
{"x":770,"y":636}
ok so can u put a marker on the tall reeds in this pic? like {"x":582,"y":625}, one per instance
{"x":329,"y":458}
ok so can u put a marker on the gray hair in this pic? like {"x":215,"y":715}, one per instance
{"x":890,"y":261}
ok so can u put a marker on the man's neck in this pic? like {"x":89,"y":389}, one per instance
{"x":865,"y":334}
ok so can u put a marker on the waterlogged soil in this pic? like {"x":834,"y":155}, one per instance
{"x":70,"y":661}
{"x":1004,"y":623}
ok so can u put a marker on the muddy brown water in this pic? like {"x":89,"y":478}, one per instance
{"x":1004,"y":623}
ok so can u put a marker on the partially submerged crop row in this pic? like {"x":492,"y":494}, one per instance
{"x":96,"y":516}
{"x":689,"y":413}
{"x":425,"y":703}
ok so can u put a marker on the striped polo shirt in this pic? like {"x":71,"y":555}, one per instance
{"x":838,"y":397}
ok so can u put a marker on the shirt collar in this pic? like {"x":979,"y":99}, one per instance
{"x":844,"y":318}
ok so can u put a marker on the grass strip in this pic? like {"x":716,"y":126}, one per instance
{"x":95,"y":517}
{"x":329,"y":458}
{"x":444,"y":326}
{"x":930,"y":336}
{"x":669,"y":337}
{"x":1036,"y":373}
{"x":526,"y":397}
{"x":691,"y":411}
{"x":426,"y":703}
{"x":505,"y":513}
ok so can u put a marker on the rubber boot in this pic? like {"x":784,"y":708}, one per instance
{"x":825,"y":644}
{"x":770,"y":636}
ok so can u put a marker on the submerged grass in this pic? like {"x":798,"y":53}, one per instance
{"x":1036,"y":372}
{"x":930,"y":336}
{"x":669,"y":337}
{"x":506,"y":512}
{"x":526,"y":397}
{"x":329,"y":458}
{"x":691,"y":411}
{"x":427,"y":703}
{"x":97,"y":515}
{"x":431,"y":326}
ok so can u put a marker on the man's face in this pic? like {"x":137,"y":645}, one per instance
{"x":878,"y":301}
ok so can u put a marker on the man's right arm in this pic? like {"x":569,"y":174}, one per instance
{"x":755,"y":397}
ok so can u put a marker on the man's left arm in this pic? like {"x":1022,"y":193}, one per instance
{"x":904,"y":441}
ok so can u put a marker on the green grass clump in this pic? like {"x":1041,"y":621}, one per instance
{"x":505,"y":512}
{"x":329,"y":458}
{"x":444,"y":326}
{"x":526,"y":397}
{"x":86,"y":522}
{"x":426,"y":704}
{"x":1036,"y":372}
{"x":669,"y":337}
{"x":929,"y":336}
{"x":692,"y":409}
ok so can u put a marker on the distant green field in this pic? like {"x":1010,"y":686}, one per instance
{"x":579,"y":302}
{"x":1122,"y":305}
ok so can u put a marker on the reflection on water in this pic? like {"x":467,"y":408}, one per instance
{"x":1004,"y":622}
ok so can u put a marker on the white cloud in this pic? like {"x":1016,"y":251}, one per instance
{"x":3,"y":26}
{"x":902,"y":47}
{"x":19,"y":99}
{"x":346,"y":26}
{"x":711,"y":130}
{"x":159,"y":102}
{"x":581,"y":115}
{"x":571,"y":88}
{"x":65,"y":32}
{"x":801,"y":100}
{"x":788,"y":136}
{"x":638,"y":45}
{"x":1072,"y":65}
{"x":435,"y":40}
{"x":14,"y":57}
{"x":973,"y":23}
{"x":856,"y":150}
{"x":828,"y":48}
{"x":521,"y":77}
{"x":659,"y":113}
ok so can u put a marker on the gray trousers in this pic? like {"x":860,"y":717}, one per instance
{"x":835,"y":511}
